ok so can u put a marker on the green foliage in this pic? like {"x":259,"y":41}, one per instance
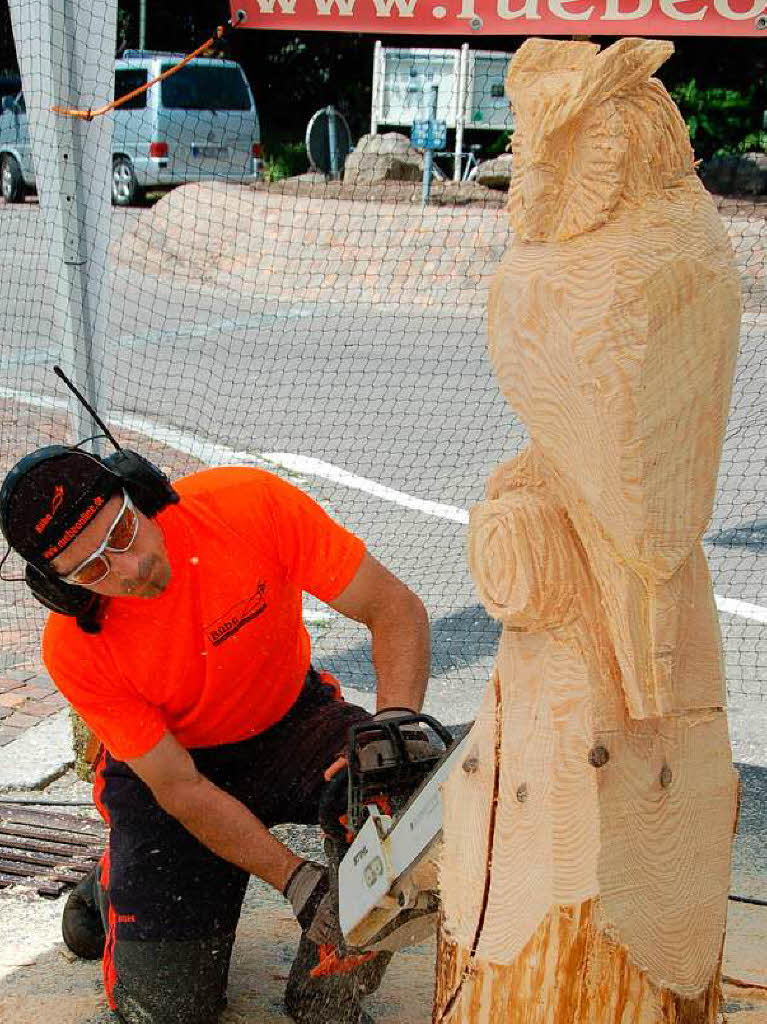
{"x":754,"y":142}
{"x":720,"y":120}
{"x":500,"y":144}
{"x":285,"y":161}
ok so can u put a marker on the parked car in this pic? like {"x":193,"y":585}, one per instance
{"x":17,"y":174}
{"x":200,"y":122}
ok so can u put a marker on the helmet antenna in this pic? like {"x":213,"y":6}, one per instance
{"x":60,"y":373}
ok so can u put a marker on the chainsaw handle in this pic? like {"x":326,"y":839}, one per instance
{"x":442,"y":731}
{"x":390,"y":728}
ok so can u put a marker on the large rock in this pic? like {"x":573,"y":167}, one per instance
{"x":495,"y":173}
{"x":388,"y":157}
{"x":745,"y":174}
{"x":751,"y":176}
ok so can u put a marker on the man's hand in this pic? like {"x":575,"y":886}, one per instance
{"x":308,"y":892}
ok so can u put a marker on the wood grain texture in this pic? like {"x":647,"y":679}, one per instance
{"x":586,"y":854}
{"x":569,"y":971}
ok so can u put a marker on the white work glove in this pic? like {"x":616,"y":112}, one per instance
{"x":308,"y":892}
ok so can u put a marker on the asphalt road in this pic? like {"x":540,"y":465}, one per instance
{"x":401,"y":397}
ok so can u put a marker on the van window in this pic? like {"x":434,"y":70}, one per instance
{"x":128,"y":79}
{"x":200,"y":88}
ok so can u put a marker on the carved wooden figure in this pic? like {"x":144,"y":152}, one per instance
{"x":587,"y":837}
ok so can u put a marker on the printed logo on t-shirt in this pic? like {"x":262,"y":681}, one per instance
{"x":237,"y":616}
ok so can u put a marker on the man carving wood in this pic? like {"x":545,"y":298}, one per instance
{"x":586,"y":857}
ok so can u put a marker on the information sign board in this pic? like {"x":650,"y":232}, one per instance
{"x":429,"y":134}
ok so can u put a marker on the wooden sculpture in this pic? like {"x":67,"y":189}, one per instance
{"x":587,"y":834}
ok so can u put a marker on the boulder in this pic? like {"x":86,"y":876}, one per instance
{"x":727,"y":174}
{"x":751,"y":175}
{"x":387,"y":157}
{"x":495,"y":173}
{"x":718,"y":174}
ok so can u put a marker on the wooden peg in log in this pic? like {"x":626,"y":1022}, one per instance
{"x":586,"y":859}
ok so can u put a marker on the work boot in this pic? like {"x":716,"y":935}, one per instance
{"x":370,"y":974}
{"x":331,"y":999}
{"x":81,"y":924}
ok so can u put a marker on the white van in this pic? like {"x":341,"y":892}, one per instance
{"x":17,"y":175}
{"x":201,"y":122}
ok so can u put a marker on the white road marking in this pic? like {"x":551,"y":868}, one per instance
{"x":307,"y":466}
{"x":220,"y":455}
{"x":744,"y":610}
{"x":225,"y":326}
{"x":317,"y":615}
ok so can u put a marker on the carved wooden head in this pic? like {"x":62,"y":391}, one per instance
{"x":594,"y":132}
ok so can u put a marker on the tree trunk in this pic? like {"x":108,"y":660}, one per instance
{"x":587,"y":835}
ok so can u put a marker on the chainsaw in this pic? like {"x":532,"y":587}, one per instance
{"x":382,"y":819}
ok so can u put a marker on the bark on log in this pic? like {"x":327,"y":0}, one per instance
{"x":587,"y":841}
{"x":85,"y":746}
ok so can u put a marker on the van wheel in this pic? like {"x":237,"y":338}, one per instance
{"x":11,"y":181}
{"x":125,"y":190}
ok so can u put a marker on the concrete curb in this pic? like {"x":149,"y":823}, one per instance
{"x":37,"y":757}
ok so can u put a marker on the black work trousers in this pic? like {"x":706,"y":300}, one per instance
{"x":170,"y":905}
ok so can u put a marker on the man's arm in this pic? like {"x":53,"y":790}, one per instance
{"x":399,"y":628}
{"x":218,"y":820}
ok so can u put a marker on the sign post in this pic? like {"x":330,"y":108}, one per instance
{"x":429,"y":135}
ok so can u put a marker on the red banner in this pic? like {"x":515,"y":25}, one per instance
{"x":472,"y":18}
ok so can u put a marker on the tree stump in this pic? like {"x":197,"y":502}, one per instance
{"x":587,"y":836}
{"x":85,"y":746}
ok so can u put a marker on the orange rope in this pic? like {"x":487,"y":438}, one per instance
{"x":88,"y":115}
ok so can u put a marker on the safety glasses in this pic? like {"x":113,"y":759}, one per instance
{"x":120,"y":536}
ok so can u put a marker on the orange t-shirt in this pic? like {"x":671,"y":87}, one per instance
{"x":222,"y":653}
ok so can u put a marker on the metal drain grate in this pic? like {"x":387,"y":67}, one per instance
{"x":50,"y":851}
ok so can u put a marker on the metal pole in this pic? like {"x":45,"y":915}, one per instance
{"x":332,"y":142}
{"x":428,"y":161}
{"x":377,"y":86}
{"x":460,"y":117}
{"x":66,"y":55}
{"x":142,"y":25}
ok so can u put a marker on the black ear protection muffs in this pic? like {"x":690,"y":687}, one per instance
{"x":148,"y":487}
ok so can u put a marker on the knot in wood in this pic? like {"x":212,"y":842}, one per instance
{"x":522,"y":792}
{"x":524,"y":559}
{"x":666,"y":775}
{"x":599,"y":756}
{"x":470,"y":764}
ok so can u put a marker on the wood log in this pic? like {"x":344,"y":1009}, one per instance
{"x":86,"y":746}
{"x":587,"y":836}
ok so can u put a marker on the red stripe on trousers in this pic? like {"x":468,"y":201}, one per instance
{"x":108,"y":971}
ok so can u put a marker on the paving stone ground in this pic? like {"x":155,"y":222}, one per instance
{"x":43,"y":984}
{"x":26,"y":697}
